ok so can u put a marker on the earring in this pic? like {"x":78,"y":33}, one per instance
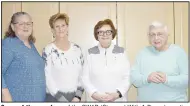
{"x":67,"y":33}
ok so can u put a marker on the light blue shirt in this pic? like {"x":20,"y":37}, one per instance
{"x":173,"y":62}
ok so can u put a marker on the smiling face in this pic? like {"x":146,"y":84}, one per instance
{"x":22,"y":26}
{"x":60,"y":28}
{"x":158,"y":38}
{"x":105,"y":35}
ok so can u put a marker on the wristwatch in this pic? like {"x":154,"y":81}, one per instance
{"x":120,"y":95}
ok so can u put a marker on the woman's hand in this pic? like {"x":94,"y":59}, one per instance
{"x":6,"y":96}
{"x":100,"y":97}
{"x":75,"y":100}
{"x":112,"y":96}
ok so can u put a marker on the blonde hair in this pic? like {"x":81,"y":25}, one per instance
{"x":57,"y":16}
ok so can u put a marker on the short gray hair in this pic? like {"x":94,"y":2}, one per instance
{"x":157,"y":24}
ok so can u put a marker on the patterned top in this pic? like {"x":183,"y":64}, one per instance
{"x":22,"y":71}
{"x":63,"y":69}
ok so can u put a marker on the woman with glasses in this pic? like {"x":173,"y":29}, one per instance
{"x":64,"y":63}
{"x":23,"y":77}
{"x":106,"y":70}
{"x":161,"y":69}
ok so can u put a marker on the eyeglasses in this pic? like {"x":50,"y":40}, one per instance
{"x":108,"y":32}
{"x":21,"y":24}
{"x":153,"y":35}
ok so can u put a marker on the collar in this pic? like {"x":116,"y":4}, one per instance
{"x":109,"y":49}
{"x":157,"y":51}
{"x":21,"y":42}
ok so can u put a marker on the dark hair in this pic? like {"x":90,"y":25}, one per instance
{"x":104,"y":22}
{"x":11,"y":33}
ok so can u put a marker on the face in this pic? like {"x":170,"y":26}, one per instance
{"x":23,"y":26}
{"x":60,"y":28}
{"x":158,"y":38}
{"x":105,"y":35}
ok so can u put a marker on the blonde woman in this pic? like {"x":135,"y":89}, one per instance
{"x":64,"y":62}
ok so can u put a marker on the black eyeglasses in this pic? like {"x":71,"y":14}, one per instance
{"x":107,"y":32}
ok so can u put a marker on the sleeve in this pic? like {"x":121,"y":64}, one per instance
{"x":46,"y":55}
{"x":125,"y":84}
{"x":181,"y":80}
{"x":138,"y":78}
{"x":80,"y":89}
{"x":7,"y":58}
{"x":85,"y":76}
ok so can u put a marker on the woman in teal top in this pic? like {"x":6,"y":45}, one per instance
{"x":161,"y":70}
